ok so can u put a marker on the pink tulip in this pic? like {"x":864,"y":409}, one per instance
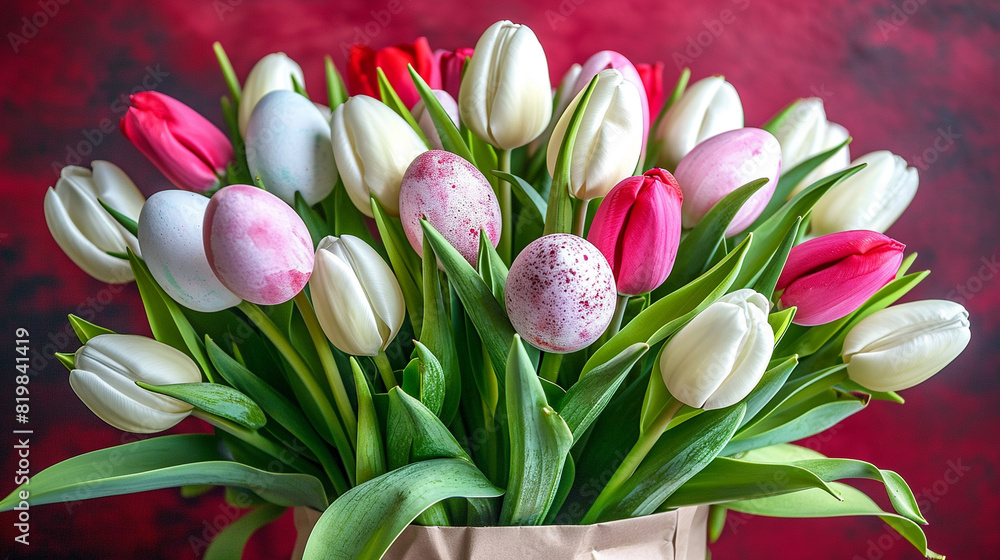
{"x":191,"y":151}
{"x":828,"y":277}
{"x":610,"y":59}
{"x":652,"y":79}
{"x":258,"y":247}
{"x":560,"y":293}
{"x":449,"y":66}
{"x":724,"y":163}
{"x":638,"y":228}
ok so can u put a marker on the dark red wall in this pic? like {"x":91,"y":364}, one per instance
{"x":918,"y":77}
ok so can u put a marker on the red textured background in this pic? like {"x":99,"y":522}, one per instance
{"x":896,"y":73}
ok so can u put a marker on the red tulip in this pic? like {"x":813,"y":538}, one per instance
{"x":652,"y":79}
{"x":638,"y":228}
{"x":187,"y":148}
{"x":362,"y":61}
{"x":450,"y":65}
{"x":828,"y":277}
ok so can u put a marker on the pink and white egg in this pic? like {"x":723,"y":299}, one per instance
{"x":560,"y":293}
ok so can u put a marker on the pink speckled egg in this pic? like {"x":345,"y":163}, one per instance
{"x":257,"y":245}
{"x":560,"y":293}
{"x":454,"y":197}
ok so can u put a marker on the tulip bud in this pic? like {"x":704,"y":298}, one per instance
{"x":258,"y":247}
{"x":107,"y":368}
{"x":560,"y":293}
{"x":609,"y":139}
{"x":362,"y":76}
{"x":904,"y":345}
{"x":611,"y":60}
{"x":871,"y":199}
{"x":724,"y":163}
{"x":373,"y":147}
{"x":829,"y":277}
{"x":272,"y":72}
{"x":720,"y":356}
{"x":288,"y":148}
{"x":505,"y":97}
{"x":423,"y":118}
{"x":356,"y":296}
{"x":84,"y":230}
{"x":638,"y":229}
{"x":709,"y":107}
{"x":652,"y":81}
{"x":450,"y":65}
{"x":191,"y":151}
{"x":170,"y":232}
{"x":454,"y":197}
{"x":803,"y":133}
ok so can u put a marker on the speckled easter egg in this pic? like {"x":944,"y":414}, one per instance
{"x":257,"y":245}
{"x":451,"y":194}
{"x":560,"y":293}
{"x":288,"y":147}
{"x":170,"y":234}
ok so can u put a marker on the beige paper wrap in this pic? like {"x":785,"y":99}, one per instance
{"x":675,"y":535}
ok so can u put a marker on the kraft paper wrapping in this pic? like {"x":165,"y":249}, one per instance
{"x":675,"y":535}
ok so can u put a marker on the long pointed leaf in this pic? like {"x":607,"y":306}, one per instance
{"x":586,"y":399}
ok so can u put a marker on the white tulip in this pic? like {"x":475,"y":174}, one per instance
{"x":372,"y":146}
{"x":423,"y":118}
{"x":609,"y":140}
{"x":561,"y":98}
{"x":106,"y":369}
{"x":84,"y":230}
{"x":803,"y":133}
{"x":506,"y":97}
{"x":708,"y":107}
{"x":720,"y":356}
{"x":272,"y":72}
{"x":356,"y":296}
{"x":904,"y":345}
{"x":871,"y":199}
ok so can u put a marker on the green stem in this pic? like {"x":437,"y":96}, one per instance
{"x":580,"y":216}
{"x":616,"y":321}
{"x":385,"y":370}
{"x":550,"y":367}
{"x":284,"y":346}
{"x":505,"y":247}
{"x":639,"y":451}
{"x":329,"y":367}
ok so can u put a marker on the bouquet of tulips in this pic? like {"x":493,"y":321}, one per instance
{"x":458,"y":298}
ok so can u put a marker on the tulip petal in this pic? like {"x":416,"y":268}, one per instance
{"x":336,"y":294}
{"x":79,"y":249}
{"x":118,"y":410}
{"x":116,"y":189}
{"x":751,"y":362}
{"x":379,"y":285}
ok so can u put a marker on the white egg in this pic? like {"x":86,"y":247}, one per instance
{"x":170,"y":235}
{"x":288,"y":148}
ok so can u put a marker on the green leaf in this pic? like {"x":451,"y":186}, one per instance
{"x":562,"y":492}
{"x":701,"y":243}
{"x":525,"y":193}
{"x":559,"y":211}
{"x":436,"y":334}
{"x":430,"y":439}
{"x":492,"y":269}
{"x":768,"y":386}
{"x":798,"y":390}
{"x":216,"y":399}
{"x":768,"y":278}
{"x":451,"y":138}
{"x":128,"y":223}
{"x":371,"y":454}
{"x":365,"y":521}
{"x":491,"y":322}
{"x":539,"y":443}
{"x":162,"y":462}
{"x":86,"y":330}
{"x":428,"y":383}
{"x":67,"y":359}
{"x":679,"y":454}
{"x":232,"y":82}
{"x":816,"y":503}
{"x":336,"y":93}
{"x":232,"y":539}
{"x":390,"y":98}
{"x":346,"y":217}
{"x":780,"y":321}
{"x":317,"y":226}
{"x":726,"y":480}
{"x":586,"y":399}
{"x":405,"y":263}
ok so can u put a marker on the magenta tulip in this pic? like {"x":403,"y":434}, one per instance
{"x":652,"y":79}
{"x":724,"y":163}
{"x":829,"y":277}
{"x":449,"y":65}
{"x":560,"y":293}
{"x":638,"y":228}
{"x":191,"y":151}
{"x":258,"y":247}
